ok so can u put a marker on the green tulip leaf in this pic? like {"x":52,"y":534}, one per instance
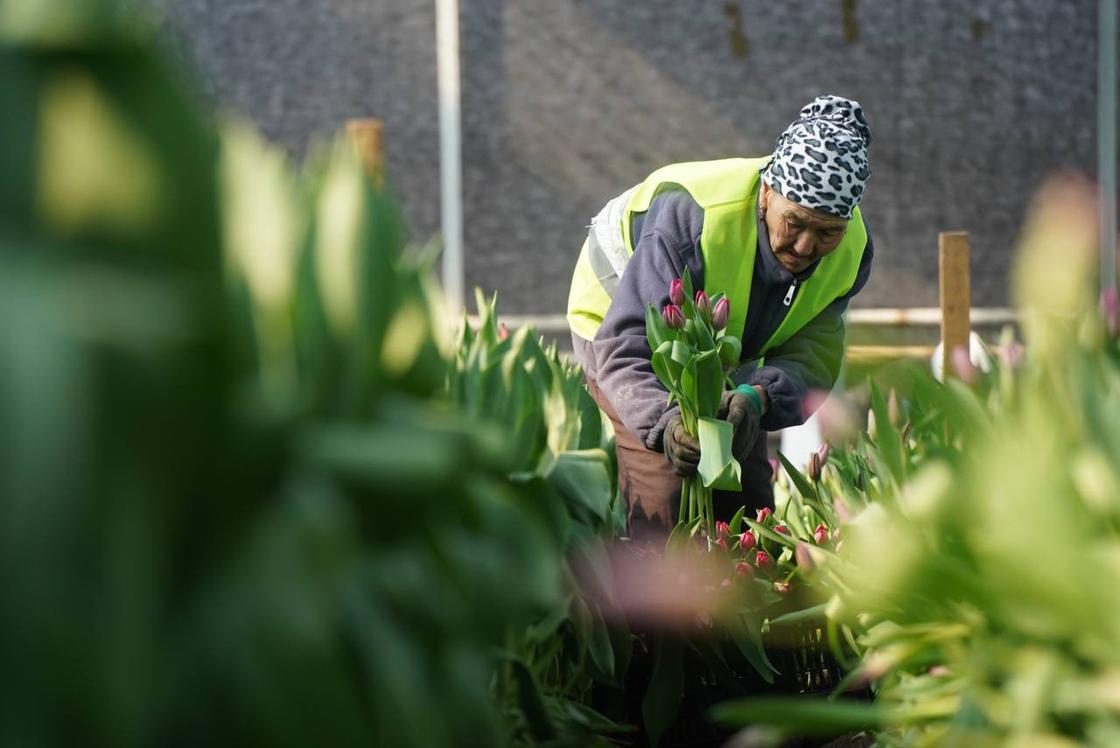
{"x":657,"y":332}
{"x":718,"y":467}
{"x":730,"y":350}
{"x":709,"y":383}
{"x":663,"y":697}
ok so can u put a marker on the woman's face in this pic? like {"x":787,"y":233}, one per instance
{"x":798,"y":236}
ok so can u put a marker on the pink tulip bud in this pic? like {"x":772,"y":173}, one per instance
{"x":722,"y":543}
{"x":720,"y":312}
{"x":1012,"y":355}
{"x":822,"y":452}
{"x":673,"y":316}
{"x":703,"y":306}
{"x":782,"y":587}
{"x":820,"y":535}
{"x":782,"y":529}
{"x":762,"y":560}
{"x":962,"y":365}
{"x":723,"y":530}
{"x":503,"y":332}
{"x":1110,"y":308}
{"x":773,"y":469}
{"x":676,"y":292}
{"x":804,"y":558}
{"x":747,"y":541}
{"x":744,"y":570}
{"x":762,"y":515}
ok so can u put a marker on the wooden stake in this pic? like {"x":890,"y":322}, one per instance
{"x":956,"y":294}
{"x":365,"y":136}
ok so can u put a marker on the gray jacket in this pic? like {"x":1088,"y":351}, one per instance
{"x":618,"y":359}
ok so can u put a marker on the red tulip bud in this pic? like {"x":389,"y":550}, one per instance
{"x":676,"y":292}
{"x":820,"y":535}
{"x":782,"y":529}
{"x":763,"y":513}
{"x":747,"y":541}
{"x":743,"y":569}
{"x":704,"y":306}
{"x":720,"y":312}
{"x":723,"y":530}
{"x":762,"y":560}
{"x":673,"y":316}
{"x":722,"y":543}
{"x":503,"y":332}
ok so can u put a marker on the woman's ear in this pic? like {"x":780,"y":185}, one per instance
{"x":763,"y":197}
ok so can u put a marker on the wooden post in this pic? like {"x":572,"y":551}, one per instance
{"x":365,"y":136}
{"x":956,"y":294}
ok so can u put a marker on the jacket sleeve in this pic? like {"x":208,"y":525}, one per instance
{"x":809,"y":360}
{"x":623,"y":372}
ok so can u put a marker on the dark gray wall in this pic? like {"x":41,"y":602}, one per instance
{"x":568,"y":102}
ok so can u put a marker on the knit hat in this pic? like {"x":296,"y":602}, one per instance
{"x":820,"y":161}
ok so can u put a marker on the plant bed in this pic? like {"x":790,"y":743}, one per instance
{"x":713,"y":670}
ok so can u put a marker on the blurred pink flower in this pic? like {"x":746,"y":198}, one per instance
{"x":836,"y":416}
{"x":804,"y":558}
{"x":963,"y":367}
{"x":1110,"y":308}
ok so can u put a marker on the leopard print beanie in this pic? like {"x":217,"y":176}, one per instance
{"x":820,"y":161}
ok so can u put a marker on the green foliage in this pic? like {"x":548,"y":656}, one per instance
{"x":235,"y":510}
{"x":979,"y":573}
{"x":562,"y":444}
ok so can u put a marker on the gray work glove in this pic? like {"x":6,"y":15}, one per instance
{"x":682,"y":450}
{"x":736,"y":409}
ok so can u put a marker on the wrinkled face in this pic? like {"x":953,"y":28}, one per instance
{"x":799,"y":236}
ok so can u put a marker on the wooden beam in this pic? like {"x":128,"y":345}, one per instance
{"x":956,"y":293}
{"x":365,"y":136}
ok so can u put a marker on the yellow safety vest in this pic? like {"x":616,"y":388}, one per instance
{"x":727,"y":192}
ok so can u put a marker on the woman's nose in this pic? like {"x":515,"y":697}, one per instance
{"x":804,"y":245}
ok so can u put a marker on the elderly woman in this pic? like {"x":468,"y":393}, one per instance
{"x":783,"y":238}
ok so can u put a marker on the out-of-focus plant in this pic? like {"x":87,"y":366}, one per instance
{"x":236,"y":508}
{"x":982,"y":577}
{"x":562,"y":450}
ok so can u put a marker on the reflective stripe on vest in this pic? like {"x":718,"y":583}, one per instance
{"x":727,"y":192}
